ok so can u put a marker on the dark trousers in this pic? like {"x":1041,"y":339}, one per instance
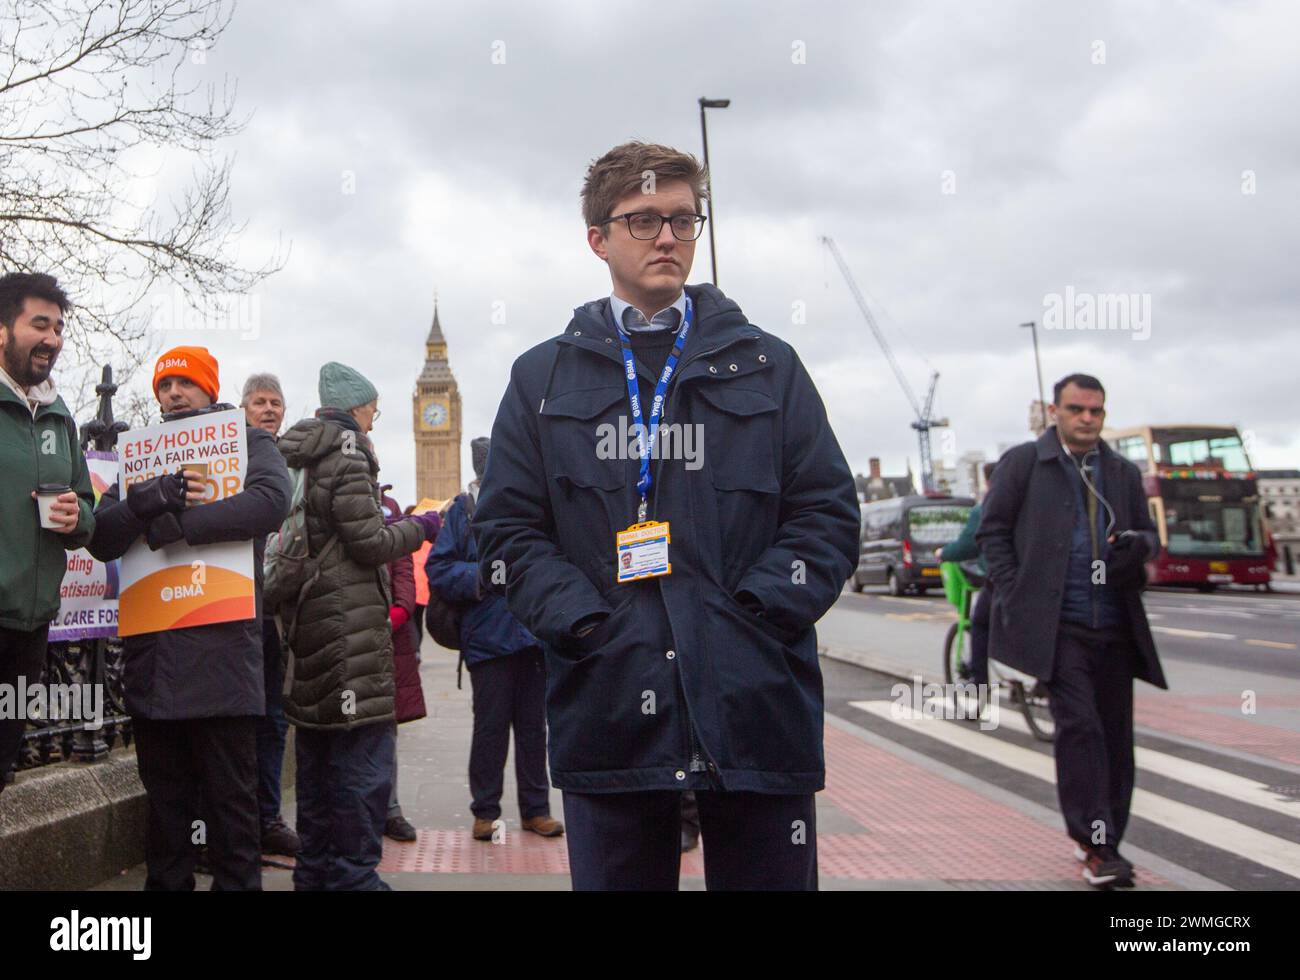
{"x":22,"y":654}
{"x":418,"y":620}
{"x":979,"y":635}
{"x":509,"y":691}
{"x":632,"y":841}
{"x":1092,"y":703}
{"x":342,"y":786}
{"x":394,"y":805}
{"x":273,"y":728}
{"x":690,"y":814}
{"x":208,"y":766}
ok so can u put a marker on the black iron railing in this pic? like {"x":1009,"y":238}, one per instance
{"x":91,"y":669}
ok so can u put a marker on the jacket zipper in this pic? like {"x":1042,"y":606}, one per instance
{"x":697,"y":763}
{"x":36,"y":469}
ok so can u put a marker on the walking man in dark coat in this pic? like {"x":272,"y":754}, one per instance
{"x":673,"y":580}
{"x":196,"y":694}
{"x":1066,"y":533}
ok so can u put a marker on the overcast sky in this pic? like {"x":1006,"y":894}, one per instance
{"x":969,"y":158}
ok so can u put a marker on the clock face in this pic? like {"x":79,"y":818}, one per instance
{"x":435,"y":415}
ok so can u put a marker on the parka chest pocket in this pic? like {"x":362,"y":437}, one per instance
{"x":589,"y":477}
{"x":739,"y":437}
{"x":581,"y":438}
{"x":739,"y":428}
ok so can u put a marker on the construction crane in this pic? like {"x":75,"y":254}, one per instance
{"x":924,"y":421}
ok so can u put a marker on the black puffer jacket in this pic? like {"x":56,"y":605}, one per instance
{"x":340,"y":666}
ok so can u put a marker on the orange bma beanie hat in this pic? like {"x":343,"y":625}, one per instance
{"x":194,"y":363}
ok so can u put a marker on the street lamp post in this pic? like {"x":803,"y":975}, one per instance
{"x":1038,"y":367}
{"x":704,"y":132}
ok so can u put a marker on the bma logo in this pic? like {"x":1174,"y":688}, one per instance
{"x":180,"y":592}
{"x":172,"y":362}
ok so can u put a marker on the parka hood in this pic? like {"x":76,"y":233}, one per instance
{"x":310,"y":440}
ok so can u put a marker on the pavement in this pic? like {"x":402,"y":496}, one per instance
{"x":914,"y":801}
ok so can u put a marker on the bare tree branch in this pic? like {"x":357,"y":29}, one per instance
{"x":90,"y":90}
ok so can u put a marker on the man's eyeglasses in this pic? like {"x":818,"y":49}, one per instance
{"x":1080,"y":409}
{"x":646,"y":225}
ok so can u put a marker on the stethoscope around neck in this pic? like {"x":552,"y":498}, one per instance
{"x":1083,"y":467}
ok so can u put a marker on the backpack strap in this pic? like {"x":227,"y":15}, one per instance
{"x":314,"y":564}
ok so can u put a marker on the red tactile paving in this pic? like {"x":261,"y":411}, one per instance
{"x":918,"y":826}
{"x":456,"y":852}
{"x":520,"y":853}
{"x":1188,"y":716}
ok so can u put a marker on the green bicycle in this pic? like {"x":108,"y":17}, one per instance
{"x":1027,"y":693}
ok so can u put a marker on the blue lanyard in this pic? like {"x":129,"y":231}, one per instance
{"x":657,"y":407}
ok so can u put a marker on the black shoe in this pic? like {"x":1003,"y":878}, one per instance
{"x":1103,"y":866}
{"x":399,"y":828}
{"x":1126,"y":882}
{"x":1081,"y":854}
{"x":279,"y":838}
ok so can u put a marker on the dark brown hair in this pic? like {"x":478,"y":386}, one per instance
{"x":626,"y":168}
{"x":16,"y":287}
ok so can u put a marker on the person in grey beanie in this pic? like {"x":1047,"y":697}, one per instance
{"x":506,"y":671}
{"x":340,"y":662}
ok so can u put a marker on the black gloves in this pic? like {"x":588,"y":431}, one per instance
{"x":161,"y":495}
{"x":163,"y":530}
{"x":1126,"y":565}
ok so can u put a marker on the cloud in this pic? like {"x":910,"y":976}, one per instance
{"x":1119,"y":176}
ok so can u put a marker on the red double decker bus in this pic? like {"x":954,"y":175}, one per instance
{"x":1204,"y":500}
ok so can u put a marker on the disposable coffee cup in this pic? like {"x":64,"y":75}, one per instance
{"x":201,"y":469}
{"x":46,"y":495}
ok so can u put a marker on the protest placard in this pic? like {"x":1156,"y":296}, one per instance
{"x":184,"y":585}
{"x":88,"y":595}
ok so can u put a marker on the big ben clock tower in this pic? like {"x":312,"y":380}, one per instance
{"x":436,"y":407}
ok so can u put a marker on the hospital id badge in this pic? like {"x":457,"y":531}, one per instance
{"x":642,"y":551}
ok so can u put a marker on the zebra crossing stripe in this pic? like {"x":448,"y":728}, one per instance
{"x":1221,"y":832}
{"x":1193,"y":773}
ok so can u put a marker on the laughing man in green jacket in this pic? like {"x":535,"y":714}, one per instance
{"x":38,"y":447}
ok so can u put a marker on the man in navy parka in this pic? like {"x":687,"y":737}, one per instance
{"x":705,"y":678}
